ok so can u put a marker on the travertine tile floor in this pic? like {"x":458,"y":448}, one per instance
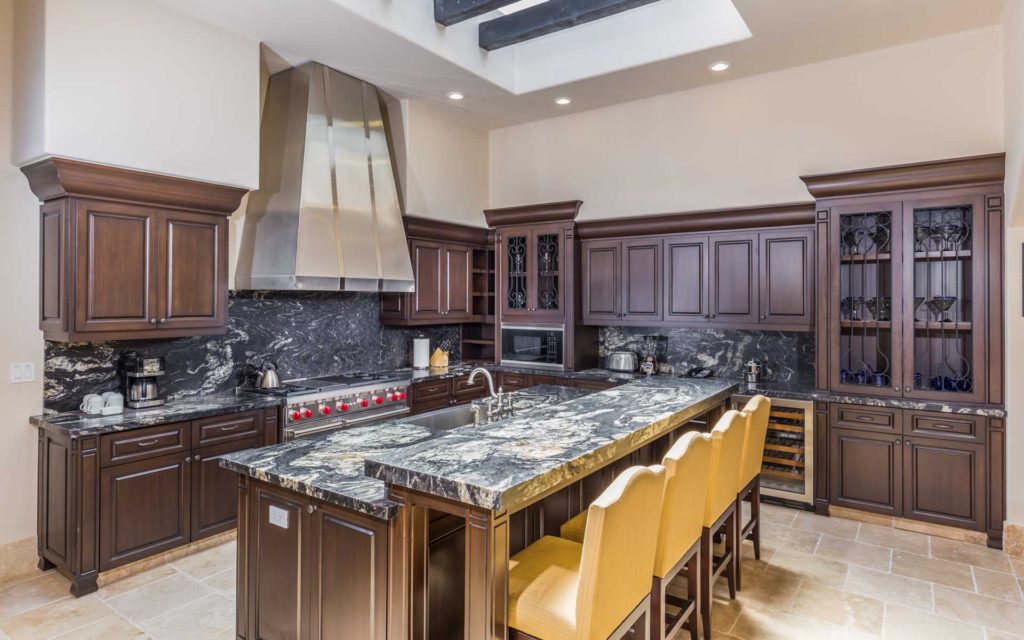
{"x":817,"y":578}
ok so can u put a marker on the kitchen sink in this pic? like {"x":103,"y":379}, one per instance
{"x":444,"y":419}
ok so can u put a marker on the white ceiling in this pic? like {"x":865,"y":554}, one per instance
{"x":658,"y":48}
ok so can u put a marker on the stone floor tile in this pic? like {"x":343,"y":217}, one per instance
{"x":224,"y":581}
{"x":893,"y":538}
{"x":838,"y":527}
{"x":112,"y":627}
{"x":902,"y":623}
{"x":997,"y":584}
{"x":944,"y":572}
{"x":724,"y":613}
{"x":778,"y":537}
{"x":199,"y":620}
{"x":980,"y":610}
{"x":831,"y":573}
{"x":969,"y":553}
{"x":55,"y":618}
{"x":992,"y":634}
{"x":157,"y":598}
{"x":206,"y":563}
{"x":758,"y":624}
{"x":889,"y":588}
{"x":849,"y":551}
{"x":135,"y":581}
{"x":832,"y":606}
{"x":768,"y":589}
{"x":778,"y":515}
{"x":1018,"y":566}
{"x":22,"y":596}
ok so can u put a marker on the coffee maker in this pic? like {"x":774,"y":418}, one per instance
{"x":139,"y":376}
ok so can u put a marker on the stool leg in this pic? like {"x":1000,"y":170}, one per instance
{"x":755,"y":513}
{"x":739,"y":544}
{"x":693,"y":586}
{"x":657,"y":608}
{"x":733,"y":549}
{"x":707,"y":566}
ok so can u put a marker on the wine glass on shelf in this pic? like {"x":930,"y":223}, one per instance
{"x":940,"y":305}
{"x":922,"y":232}
{"x":918,"y":301}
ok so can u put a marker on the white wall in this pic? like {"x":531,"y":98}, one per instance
{"x":747,"y":142}
{"x":132,"y":83}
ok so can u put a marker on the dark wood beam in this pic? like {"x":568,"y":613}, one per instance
{"x":549,"y":17}
{"x":449,"y":12}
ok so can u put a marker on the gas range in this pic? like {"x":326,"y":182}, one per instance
{"x":314,"y":405}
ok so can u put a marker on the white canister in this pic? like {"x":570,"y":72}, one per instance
{"x":421,"y":353}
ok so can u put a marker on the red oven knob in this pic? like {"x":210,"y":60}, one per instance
{"x":393,"y":397}
{"x":401,"y":395}
{"x":343,"y":406}
{"x":307,"y":413}
{"x":378,"y":399}
{"x":295,"y":415}
{"x":363,"y":402}
{"x":325,"y":410}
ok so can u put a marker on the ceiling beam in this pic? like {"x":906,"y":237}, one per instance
{"x":548,"y":17}
{"x":449,"y":12}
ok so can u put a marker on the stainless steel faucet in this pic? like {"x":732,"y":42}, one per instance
{"x":501,"y":399}
{"x":487,"y":375}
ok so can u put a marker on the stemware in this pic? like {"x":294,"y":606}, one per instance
{"x":880,"y":307}
{"x":939,"y":305}
{"x":922,"y":232}
{"x":918,"y":301}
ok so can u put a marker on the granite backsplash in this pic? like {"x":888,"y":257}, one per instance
{"x":788,"y":355}
{"x":306,"y":333}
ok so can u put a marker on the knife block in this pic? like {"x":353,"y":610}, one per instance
{"x":438,"y":359}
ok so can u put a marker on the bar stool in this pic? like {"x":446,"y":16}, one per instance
{"x":564,"y":590}
{"x":687,"y":466}
{"x":720,"y":510}
{"x":756,"y":413}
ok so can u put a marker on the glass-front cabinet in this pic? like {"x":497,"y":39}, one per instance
{"x":532,"y":273}
{"x":906,"y":298}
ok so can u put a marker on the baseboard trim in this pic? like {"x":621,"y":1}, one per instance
{"x":928,"y":528}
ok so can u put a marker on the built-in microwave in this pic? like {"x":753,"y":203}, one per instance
{"x":538,"y":345}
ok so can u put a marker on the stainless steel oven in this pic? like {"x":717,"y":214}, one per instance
{"x":538,"y":345}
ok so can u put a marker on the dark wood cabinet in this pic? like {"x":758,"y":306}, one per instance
{"x":457,"y":282}
{"x":427,"y":300}
{"x":128,"y":255}
{"x":214,"y":495}
{"x":733,"y":287}
{"x":944,"y":482}
{"x":532,"y":273}
{"x":786,"y":261}
{"x":601,"y":283}
{"x":867,"y":471}
{"x":622,"y":281}
{"x":685,"y":277}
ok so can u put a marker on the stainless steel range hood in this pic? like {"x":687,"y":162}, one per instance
{"x":326,"y":216}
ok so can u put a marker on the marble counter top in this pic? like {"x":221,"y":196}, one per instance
{"x":460,"y":369}
{"x":76,"y":424}
{"x":502,"y":465}
{"x":329,"y":466}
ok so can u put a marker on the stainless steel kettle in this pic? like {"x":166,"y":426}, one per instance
{"x":268,"y":378}
{"x":752,"y":371}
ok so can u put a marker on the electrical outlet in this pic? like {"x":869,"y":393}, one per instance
{"x":23,"y":372}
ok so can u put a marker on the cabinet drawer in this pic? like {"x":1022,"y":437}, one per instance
{"x":117,"y":448}
{"x":944,"y":425}
{"x":542,"y":379}
{"x":597,"y":385}
{"x":464,"y":387}
{"x":513,"y":381}
{"x":853,"y":416}
{"x":431,"y":390}
{"x":235,"y":426}
{"x":423,"y":406}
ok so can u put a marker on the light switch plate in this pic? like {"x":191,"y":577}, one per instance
{"x":278,"y":517}
{"x":23,"y":372}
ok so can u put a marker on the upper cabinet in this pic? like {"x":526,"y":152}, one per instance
{"x":913,"y":266}
{"x":532,"y":273}
{"x":128,"y":255}
{"x":748,"y":279}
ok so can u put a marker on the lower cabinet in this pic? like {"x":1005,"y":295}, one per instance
{"x":312,"y":570}
{"x":214,"y":495}
{"x":934,"y":479}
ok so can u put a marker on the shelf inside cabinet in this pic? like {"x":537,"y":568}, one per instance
{"x":779,"y":426}
{"x":962,"y":254}
{"x":476,"y":341}
{"x":871,"y":257}
{"x":865,"y":324}
{"x":784,"y":448}
{"x":944,"y":326}
{"x":789,"y":475}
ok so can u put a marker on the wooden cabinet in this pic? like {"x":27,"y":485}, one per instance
{"x":313,"y":570}
{"x":108,"y":500}
{"x":128,"y":255}
{"x":915,"y":464}
{"x":748,"y":279}
{"x":622,"y":282}
{"x":532,"y":274}
{"x":443,"y":295}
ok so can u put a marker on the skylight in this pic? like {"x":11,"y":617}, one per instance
{"x":519,"y":6}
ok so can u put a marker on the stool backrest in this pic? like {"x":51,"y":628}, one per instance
{"x":687,"y":476}
{"x":618,"y":550}
{"x":756,"y":412}
{"x":726,"y":453}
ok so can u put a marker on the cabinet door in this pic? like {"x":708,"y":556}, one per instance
{"x":867,"y":471}
{"x":215,"y":489}
{"x":277,"y":587}
{"x":144,"y":509}
{"x":347,"y":575}
{"x":548,"y":281}
{"x":428,"y":302}
{"x":787,"y":277}
{"x":641,"y":281}
{"x":193,"y":270}
{"x":734,"y":285}
{"x":601,"y":284}
{"x":457,"y":279}
{"x":116,"y":284}
{"x":686,"y":279}
{"x":514,"y":273}
{"x":945,"y":482}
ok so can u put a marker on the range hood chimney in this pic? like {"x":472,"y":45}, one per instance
{"x":326,"y":216}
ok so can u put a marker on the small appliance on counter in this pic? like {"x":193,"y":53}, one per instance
{"x":421,"y":353}
{"x":624,"y":361}
{"x":139,"y":380}
{"x":268,"y":377}
{"x":752,"y":372}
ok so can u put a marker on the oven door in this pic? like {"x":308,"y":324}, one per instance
{"x":295,"y":431}
{"x":538,"y":346}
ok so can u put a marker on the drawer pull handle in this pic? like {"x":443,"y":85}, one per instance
{"x":939,"y":425}
{"x":230,"y":427}
{"x":865,"y":418}
{"x":148,"y":443}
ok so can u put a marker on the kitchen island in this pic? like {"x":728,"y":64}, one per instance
{"x":401,"y":531}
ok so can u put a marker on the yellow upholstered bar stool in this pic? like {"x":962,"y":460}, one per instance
{"x":687,"y":474}
{"x":564,"y":590}
{"x":720,"y":510}
{"x":756,"y":413}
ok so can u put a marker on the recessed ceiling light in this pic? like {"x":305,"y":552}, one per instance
{"x":564,"y":100}
{"x":456,"y":95}
{"x":719,"y":66}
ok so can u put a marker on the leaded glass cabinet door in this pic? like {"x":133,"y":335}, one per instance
{"x":944,"y":327}
{"x":548,"y":283}
{"x":517,"y":255}
{"x":866,"y":298}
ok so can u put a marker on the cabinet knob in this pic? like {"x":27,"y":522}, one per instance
{"x":310,"y":508}
{"x":764,"y":316}
{"x":898,"y":442}
{"x":152,"y":321}
{"x":197,"y":457}
{"x":163,"y":320}
{"x":896,"y":388}
{"x":906,"y":443}
{"x":907,"y":389}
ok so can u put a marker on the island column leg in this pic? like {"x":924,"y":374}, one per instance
{"x":487,"y":560}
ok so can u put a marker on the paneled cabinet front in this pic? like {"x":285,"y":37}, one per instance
{"x":622,"y":281}
{"x":532,"y":273}
{"x":443,"y":295}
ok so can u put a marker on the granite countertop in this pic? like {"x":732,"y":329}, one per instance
{"x":329,"y":466}
{"x":76,"y":424}
{"x":504,"y":464}
{"x":461,"y":369}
